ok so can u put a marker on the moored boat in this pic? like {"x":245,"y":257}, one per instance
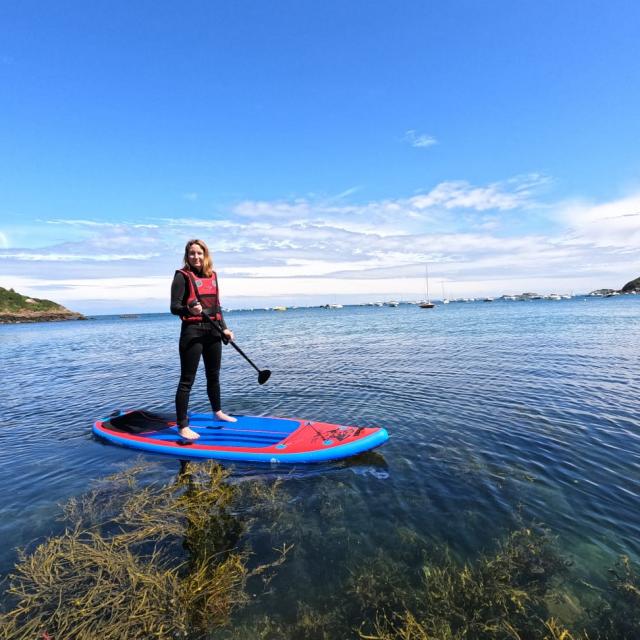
{"x":426,"y":303}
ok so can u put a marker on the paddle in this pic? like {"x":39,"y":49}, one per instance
{"x":263,"y":375}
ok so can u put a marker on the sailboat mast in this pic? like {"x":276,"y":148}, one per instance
{"x":426,"y":281}
{"x":427,"y":304}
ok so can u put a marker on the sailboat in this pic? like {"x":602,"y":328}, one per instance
{"x":427,"y":304}
{"x":445,"y":300}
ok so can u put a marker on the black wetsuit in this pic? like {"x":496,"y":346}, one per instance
{"x":196,"y":339}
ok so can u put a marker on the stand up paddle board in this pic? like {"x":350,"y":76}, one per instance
{"x":250,"y":439}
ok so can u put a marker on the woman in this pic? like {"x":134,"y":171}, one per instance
{"x":195,"y":290}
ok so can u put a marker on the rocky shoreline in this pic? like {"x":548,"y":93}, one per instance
{"x":38,"y":316}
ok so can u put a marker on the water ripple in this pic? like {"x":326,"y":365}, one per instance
{"x":497,"y":413}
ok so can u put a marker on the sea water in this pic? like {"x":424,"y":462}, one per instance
{"x":499,"y":414}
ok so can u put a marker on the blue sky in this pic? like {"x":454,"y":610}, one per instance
{"x":325,"y":150}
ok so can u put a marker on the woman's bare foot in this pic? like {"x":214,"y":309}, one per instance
{"x":188,"y":434}
{"x":221,"y":415}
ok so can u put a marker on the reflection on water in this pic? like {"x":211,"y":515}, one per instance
{"x":499,"y":415}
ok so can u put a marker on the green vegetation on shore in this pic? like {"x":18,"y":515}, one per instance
{"x":11,"y":301}
{"x":14,"y":307}
{"x":632,"y":285}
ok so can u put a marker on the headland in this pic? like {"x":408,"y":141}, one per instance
{"x":15,"y":308}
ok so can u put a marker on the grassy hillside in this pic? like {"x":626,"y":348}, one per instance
{"x":13,"y":302}
{"x":14,"y":307}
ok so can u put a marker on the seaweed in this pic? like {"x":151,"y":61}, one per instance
{"x":617,"y":615}
{"x":201,"y":557}
{"x":502,"y":595}
{"x":153,"y":561}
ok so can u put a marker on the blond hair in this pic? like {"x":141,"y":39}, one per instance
{"x":207,"y":264}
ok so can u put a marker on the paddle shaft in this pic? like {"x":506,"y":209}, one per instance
{"x":228,"y":340}
{"x":263,"y":376}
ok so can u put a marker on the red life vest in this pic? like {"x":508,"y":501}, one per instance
{"x":207,"y":295}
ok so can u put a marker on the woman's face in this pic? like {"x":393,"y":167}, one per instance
{"x":195,"y":256}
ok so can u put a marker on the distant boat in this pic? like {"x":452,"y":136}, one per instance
{"x":427,"y":304}
{"x":487,"y":299}
{"x":445,"y":300}
{"x":392,"y":303}
{"x":280,"y":308}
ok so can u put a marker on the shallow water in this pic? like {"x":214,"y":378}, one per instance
{"x":499,"y":414}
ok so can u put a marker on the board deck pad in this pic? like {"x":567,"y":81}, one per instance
{"x":251,"y":438}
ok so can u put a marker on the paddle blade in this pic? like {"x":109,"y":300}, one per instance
{"x":263,"y":376}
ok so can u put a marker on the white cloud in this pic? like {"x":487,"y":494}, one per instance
{"x":32,"y":256}
{"x":198,"y":223}
{"x":344,"y":194}
{"x":470,"y":234}
{"x":459,"y":194}
{"x":361,"y":228}
{"x":95,"y":223}
{"x":419,"y":140}
{"x":609,"y":224}
{"x":391,"y":216}
{"x":4,"y":240}
{"x":80,"y":289}
{"x":275,"y":210}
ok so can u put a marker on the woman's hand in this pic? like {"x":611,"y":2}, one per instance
{"x":196,"y":309}
{"x":229,"y":334}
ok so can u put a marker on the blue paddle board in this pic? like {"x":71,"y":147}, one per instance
{"x":249,"y":439}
